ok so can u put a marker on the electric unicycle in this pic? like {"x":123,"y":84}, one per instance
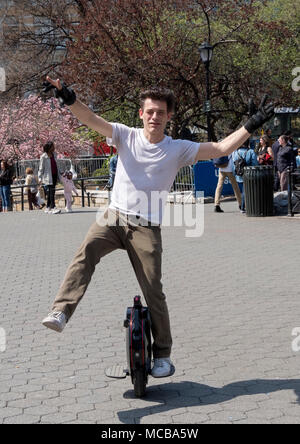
{"x":138,"y":348}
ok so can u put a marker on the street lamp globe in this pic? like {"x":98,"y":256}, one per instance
{"x":206,"y":51}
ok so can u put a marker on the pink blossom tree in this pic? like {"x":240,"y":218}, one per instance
{"x":27,"y":124}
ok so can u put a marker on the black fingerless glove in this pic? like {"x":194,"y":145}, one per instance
{"x":259,"y":116}
{"x":66,"y":95}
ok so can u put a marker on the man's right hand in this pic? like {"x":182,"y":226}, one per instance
{"x":83,"y":113}
{"x":65,"y":94}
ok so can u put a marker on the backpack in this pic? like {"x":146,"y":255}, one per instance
{"x":221,"y":162}
{"x":240,"y":164}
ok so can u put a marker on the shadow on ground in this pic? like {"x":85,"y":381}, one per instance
{"x":188,"y":394}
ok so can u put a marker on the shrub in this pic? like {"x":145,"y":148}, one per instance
{"x":104,"y":171}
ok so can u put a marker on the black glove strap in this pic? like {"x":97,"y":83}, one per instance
{"x":66,"y":95}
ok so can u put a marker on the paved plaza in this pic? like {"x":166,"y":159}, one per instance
{"x":234,"y":303}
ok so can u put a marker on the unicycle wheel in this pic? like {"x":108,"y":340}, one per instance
{"x":139,"y":383}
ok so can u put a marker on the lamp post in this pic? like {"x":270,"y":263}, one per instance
{"x":206,"y":51}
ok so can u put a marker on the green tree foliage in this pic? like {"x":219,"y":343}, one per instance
{"x":115,"y":48}
{"x":121,"y":47}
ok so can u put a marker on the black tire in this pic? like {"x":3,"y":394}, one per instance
{"x":139,"y":383}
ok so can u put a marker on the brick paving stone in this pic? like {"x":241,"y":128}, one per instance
{"x":40,"y":410}
{"x":190,"y":418}
{"x":231,"y":323}
{"x":96,"y":415}
{"x":58,"y":418}
{"x":9,"y":411}
{"x":22,"y":419}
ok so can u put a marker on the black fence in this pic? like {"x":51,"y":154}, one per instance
{"x":83,"y":183}
{"x":293,"y":191}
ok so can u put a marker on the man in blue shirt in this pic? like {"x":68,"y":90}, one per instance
{"x":249,"y":155}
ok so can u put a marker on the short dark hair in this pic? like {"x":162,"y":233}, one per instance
{"x":157,"y":93}
{"x":285,"y":138}
{"x":47,"y":147}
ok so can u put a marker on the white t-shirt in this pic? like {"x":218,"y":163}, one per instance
{"x":146,"y":171}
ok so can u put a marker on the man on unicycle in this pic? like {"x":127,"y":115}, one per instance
{"x":148,"y":162}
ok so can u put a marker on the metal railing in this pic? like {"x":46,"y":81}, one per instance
{"x":293,"y":191}
{"x":183,"y":183}
{"x":184,"y":180}
{"x":83,"y":167}
{"x":83,"y":182}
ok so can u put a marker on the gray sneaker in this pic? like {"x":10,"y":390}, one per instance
{"x":56,"y":320}
{"x":162,"y":368}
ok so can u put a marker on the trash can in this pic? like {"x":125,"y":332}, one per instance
{"x":258,"y":189}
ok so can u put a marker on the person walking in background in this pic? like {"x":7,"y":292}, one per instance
{"x":32,"y":189}
{"x":67,"y":180}
{"x":6,"y":179}
{"x":48,"y":175}
{"x":285,"y":159}
{"x":226,"y":172}
{"x":249,"y":159}
{"x":265,"y":154}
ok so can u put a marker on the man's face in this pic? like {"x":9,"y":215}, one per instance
{"x":282,"y":141}
{"x":155,"y":116}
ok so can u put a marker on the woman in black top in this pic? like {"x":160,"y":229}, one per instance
{"x":5,"y":183}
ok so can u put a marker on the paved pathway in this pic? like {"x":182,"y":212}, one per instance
{"x":234,"y":301}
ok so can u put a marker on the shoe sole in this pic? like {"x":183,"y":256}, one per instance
{"x":172,"y":371}
{"x":53,"y":326}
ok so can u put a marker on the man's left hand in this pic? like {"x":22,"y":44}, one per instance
{"x":259,"y":116}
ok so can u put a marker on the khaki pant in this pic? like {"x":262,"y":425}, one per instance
{"x":144,"y":248}
{"x":231,"y":177}
{"x":283,"y":177}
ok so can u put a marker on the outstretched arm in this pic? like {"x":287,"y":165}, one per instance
{"x":258,"y":116}
{"x":212,"y":150}
{"x":85,"y":115}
